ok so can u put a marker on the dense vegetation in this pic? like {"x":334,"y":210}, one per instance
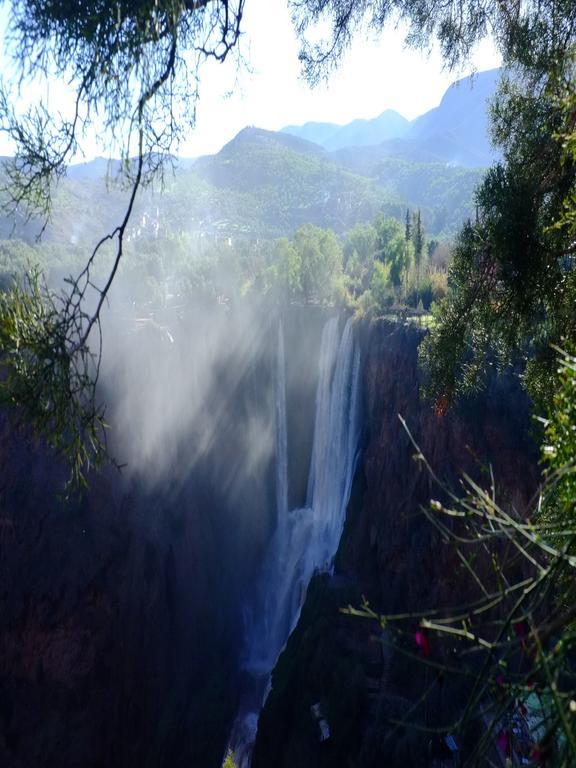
{"x":513,"y":276}
{"x":378,"y":268}
{"x":135,"y":67}
{"x":373,"y":267}
{"x":261,"y":184}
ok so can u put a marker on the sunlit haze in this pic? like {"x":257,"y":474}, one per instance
{"x":267,"y":90}
{"x":377,"y":74}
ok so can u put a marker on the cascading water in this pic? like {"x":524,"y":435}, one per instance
{"x":305,"y":540}
{"x":281,"y":431}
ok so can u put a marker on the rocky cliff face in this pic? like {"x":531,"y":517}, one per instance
{"x":120,"y":612}
{"x":391,"y":554}
{"x":118,"y":618}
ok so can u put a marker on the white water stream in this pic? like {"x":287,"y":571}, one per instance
{"x":305,"y":540}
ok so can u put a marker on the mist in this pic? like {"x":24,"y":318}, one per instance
{"x":169,"y":381}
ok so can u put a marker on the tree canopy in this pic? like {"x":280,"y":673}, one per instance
{"x":531,"y":34}
{"x":513,"y":280}
{"x":513,"y":285}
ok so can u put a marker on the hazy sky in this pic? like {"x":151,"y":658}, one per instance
{"x":377,"y":74}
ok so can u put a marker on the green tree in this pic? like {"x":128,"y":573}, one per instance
{"x":359,"y":252}
{"x":513,"y":283}
{"x":387,"y":229}
{"x":418,"y":242}
{"x":135,"y":63}
{"x":381,"y":286}
{"x":531,"y":34}
{"x":288,"y":264}
{"x":16,"y":257}
{"x":512,"y":297}
{"x":321,"y":261}
{"x":392,"y":248}
{"x":283,"y":278}
{"x":513,"y":278}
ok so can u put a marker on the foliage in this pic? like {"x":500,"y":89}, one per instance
{"x":312,"y":266}
{"x":286,"y":270}
{"x":512,"y":277}
{"x":559,"y":450}
{"x":134,"y":65}
{"x":418,"y":240}
{"x":320,"y":257}
{"x":306,"y":269}
{"x":381,"y":286}
{"x":359,"y":250}
{"x":290,"y":185}
{"x":229,"y":761}
{"x":291,"y":188}
{"x":444,"y":194}
{"x":567,"y":137}
{"x":127,"y":64}
{"x":531,"y":33}
{"x":433,"y":287}
{"x":16,"y":257}
{"x":512,"y":294}
{"x":52,"y":389}
{"x":393,"y":248}
{"x":512,"y":645}
{"x":126,"y":61}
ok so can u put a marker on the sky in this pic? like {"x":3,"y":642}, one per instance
{"x":377,"y":74}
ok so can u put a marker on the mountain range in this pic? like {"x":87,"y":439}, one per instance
{"x":268,"y":183}
{"x":455,"y":132}
{"x":389,"y":125}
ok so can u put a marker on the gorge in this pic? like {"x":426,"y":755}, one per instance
{"x":124,"y":625}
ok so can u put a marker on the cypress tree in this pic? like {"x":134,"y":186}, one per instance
{"x":408,"y":232}
{"x":418,"y":238}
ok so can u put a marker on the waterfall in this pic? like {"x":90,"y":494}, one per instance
{"x":305,"y":540}
{"x":281,"y":430}
{"x":335,"y":441}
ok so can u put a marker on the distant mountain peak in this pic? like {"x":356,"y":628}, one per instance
{"x":360,"y":132}
{"x":455,"y":132}
{"x":253,"y":135}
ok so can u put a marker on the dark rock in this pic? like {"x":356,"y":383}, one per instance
{"x":392,"y":555}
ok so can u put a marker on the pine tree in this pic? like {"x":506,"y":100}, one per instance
{"x":418,"y":240}
{"x":408,"y":231}
{"x":407,"y":246}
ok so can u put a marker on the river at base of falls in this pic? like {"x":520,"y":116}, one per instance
{"x":305,"y":540}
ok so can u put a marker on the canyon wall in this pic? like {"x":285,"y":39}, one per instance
{"x":121,"y":609}
{"x":391,"y":554}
